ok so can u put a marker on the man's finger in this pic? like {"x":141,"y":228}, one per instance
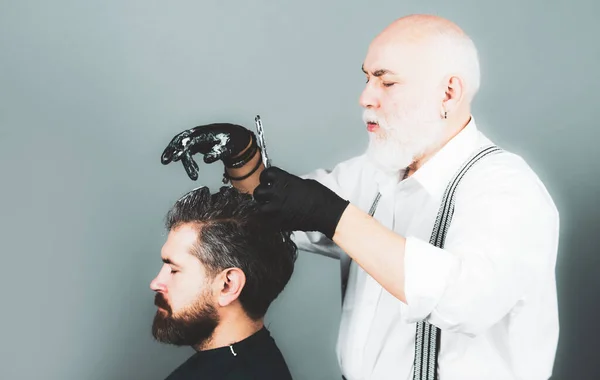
{"x":167,"y":155}
{"x":202,"y":143}
{"x":183,"y":152}
{"x":191,"y":167}
{"x":270,"y":175}
{"x":263,"y":194}
{"x":271,"y":209}
{"x":211,"y":157}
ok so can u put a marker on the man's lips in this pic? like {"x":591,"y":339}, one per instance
{"x":372,"y":126}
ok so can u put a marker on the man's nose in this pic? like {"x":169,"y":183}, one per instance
{"x":158,"y":283}
{"x":369,"y":97}
{"x":155,"y":285}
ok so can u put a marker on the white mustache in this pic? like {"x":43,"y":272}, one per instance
{"x":370,"y":116}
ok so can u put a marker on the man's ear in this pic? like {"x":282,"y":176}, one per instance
{"x":453,"y":94}
{"x":229,"y":283}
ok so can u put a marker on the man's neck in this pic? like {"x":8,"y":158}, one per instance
{"x":230,"y":331}
{"x":459,"y":125}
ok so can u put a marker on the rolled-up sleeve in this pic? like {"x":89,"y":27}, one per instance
{"x":316,"y":242}
{"x":425,"y":283}
{"x":502,"y":241}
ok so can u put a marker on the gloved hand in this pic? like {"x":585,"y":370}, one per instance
{"x":217,"y":141}
{"x":297,"y":204}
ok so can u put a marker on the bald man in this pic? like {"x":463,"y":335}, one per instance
{"x":447,"y":243}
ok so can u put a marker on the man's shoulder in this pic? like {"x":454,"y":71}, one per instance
{"x":505,"y":167}
{"x":261,"y":360}
{"x":246,"y":373}
{"x":507,"y":172}
{"x":263,"y":366}
{"x":190,"y":368}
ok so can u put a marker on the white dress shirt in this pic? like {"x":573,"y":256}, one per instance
{"x":491,"y":290}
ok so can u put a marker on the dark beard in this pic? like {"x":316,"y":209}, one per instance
{"x":193,"y":328}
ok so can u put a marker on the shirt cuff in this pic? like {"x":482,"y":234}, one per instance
{"x":428,"y":271}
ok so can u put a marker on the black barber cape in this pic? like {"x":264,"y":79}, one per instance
{"x":256,"y":358}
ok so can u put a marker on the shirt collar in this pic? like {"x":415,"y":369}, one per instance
{"x":439,"y":169}
{"x":244,"y":346}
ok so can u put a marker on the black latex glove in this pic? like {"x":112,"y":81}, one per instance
{"x":297,"y":204}
{"x":216,"y":141}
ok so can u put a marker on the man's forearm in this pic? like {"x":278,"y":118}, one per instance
{"x":377,"y":249}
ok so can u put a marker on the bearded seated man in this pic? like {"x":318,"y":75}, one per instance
{"x":223,"y":266}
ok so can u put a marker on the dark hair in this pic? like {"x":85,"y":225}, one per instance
{"x":232,"y":233}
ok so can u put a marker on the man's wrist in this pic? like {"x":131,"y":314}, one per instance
{"x":243,"y":157}
{"x":227,"y":176}
{"x":349,"y":213}
{"x":251,"y":168}
{"x":333,"y":216}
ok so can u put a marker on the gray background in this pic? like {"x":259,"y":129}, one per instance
{"x":91,"y":91}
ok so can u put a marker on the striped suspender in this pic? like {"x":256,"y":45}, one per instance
{"x":427,"y":342}
{"x":427,"y":339}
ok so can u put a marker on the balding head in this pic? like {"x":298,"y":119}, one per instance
{"x":428,"y":48}
{"x":422,"y":74}
{"x":416,"y":28}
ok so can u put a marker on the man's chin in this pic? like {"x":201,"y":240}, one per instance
{"x":181,"y":332}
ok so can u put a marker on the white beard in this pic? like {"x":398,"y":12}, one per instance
{"x":404,"y":138}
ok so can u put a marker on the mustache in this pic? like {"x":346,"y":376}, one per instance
{"x":373,"y":117}
{"x":161,"y":301}
{"x":369,"y":115}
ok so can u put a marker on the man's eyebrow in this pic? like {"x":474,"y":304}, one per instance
{"x":378,"y":73}
{"x":168,"y":261}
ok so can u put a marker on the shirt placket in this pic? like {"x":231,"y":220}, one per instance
{"x":372,"y":290}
